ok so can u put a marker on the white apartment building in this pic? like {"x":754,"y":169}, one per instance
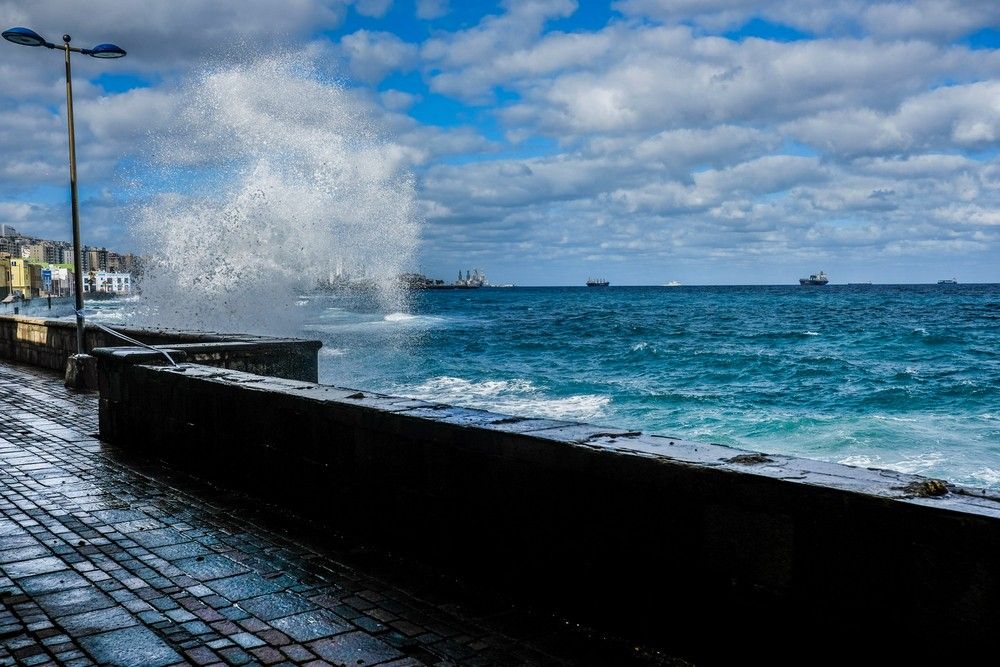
{"x":105,"y":281}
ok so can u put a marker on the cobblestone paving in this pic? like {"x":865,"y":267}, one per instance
{"x":109,"y":559}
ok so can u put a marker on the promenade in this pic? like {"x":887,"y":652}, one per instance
{"x":106,"y":558}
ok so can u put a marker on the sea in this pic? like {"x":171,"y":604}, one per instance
{"x":905,"y":377}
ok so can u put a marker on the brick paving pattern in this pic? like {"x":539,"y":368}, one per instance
{"x":110,"y":559}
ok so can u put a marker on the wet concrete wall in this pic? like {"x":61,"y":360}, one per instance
{"x":712,"y":552}
{"x":47,"y":343}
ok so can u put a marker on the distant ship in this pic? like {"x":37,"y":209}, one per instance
{"x":948,"y":281}
{"x":597,"y":282}
{"x":815,"y":279}
{"x":673,"y":283}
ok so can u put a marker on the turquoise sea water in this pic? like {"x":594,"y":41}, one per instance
{"x":904,"y":377}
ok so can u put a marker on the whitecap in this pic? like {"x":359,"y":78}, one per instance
{"x":987,"y":476}
{"x":861,"y":461}
{"x":516,"y":396}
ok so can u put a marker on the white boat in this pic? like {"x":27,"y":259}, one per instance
{"x":673,"y":283}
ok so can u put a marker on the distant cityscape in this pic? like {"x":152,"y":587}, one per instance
{"x":32,"y":268}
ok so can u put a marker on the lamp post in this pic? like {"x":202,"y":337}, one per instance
{"x":27,"y":37}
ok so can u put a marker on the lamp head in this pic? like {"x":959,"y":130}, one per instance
{"x":106,"y":51}
{"x":24,"y":36}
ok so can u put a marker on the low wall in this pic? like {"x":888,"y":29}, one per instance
{"x":48,"y":343}
{"x":709,"y":551}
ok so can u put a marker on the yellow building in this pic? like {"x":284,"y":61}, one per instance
{"x":4,"y":274}
{"x":25,"y":278}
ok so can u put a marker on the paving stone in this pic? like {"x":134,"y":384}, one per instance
{"x":201,"y":655}
{"x":276,"y":605}
{"x":35,"y":566}
{"x":136,"y":646}
{"x":74,"y":600}
{"x":267,"y":655}
{"x":157,"y":538}
{"x":175,"y":552}
{"x":212,"y":566}
{"x":311,"y":625}
{"x":275,"y":638}
{"x":244,"y":586}
{"x":55,"y":581}
{"x":369,"y":624}
{"x":234,"y":613}
{"x":347,"y":649}
{"x":247,"y":640}
{"x":23,"y":553}
{"x":297,"y":652}
{"x":101,"y":620}
{"x":234,"y":655}
{"x":118,"y":515}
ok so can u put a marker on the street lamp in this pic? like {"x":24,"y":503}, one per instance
{"x":27,"y":37}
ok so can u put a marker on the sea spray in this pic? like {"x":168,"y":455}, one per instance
{"x":272,"y":180}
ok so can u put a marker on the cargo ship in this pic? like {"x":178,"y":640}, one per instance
{"x":815,"y":279}
{"x":597,"y":282}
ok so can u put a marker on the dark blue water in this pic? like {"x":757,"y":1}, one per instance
{"x":906,"y":377}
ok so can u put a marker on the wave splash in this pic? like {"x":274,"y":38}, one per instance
{"x":292,"y":184}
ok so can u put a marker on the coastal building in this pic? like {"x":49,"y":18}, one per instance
{"x":473,"y":278}
{"x":8,"y":231}
{"x":10,"y":245}
{"x":48,"y":252}
{"x":62,"y":281}
{"x":107,"y":282}
{"x":95,"y":259}
{"x":4,"y":275}
{"x":25,"y":278}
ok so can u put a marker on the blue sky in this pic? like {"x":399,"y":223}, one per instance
{"x":721,"y":141}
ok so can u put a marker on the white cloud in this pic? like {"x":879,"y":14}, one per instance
{"x":162,"y":36}
{"x":517,"y":28}
{"x":965,"y":116}
{"x":372,"y":55}
{"x":372,"y":8}
{"x":431,"y":9}
{"x":928,"y":19}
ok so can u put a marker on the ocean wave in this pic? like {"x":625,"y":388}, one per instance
{"x":345,"y":322}
{"x":332,"y":351}
{"x":644,"y":348}
{"x":987,"y":476}
{"x":517,"y":396}
{"x":780,"y":335}
{"x":408,"y":319}
{"x":914,"y":464}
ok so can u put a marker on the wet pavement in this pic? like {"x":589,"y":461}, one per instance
{"x":111,"y":559}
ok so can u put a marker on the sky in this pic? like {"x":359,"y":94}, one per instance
{"x":704,"y":141}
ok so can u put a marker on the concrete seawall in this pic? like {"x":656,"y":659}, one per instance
{"x":713,"y":551}
{"x":47,"y":343}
